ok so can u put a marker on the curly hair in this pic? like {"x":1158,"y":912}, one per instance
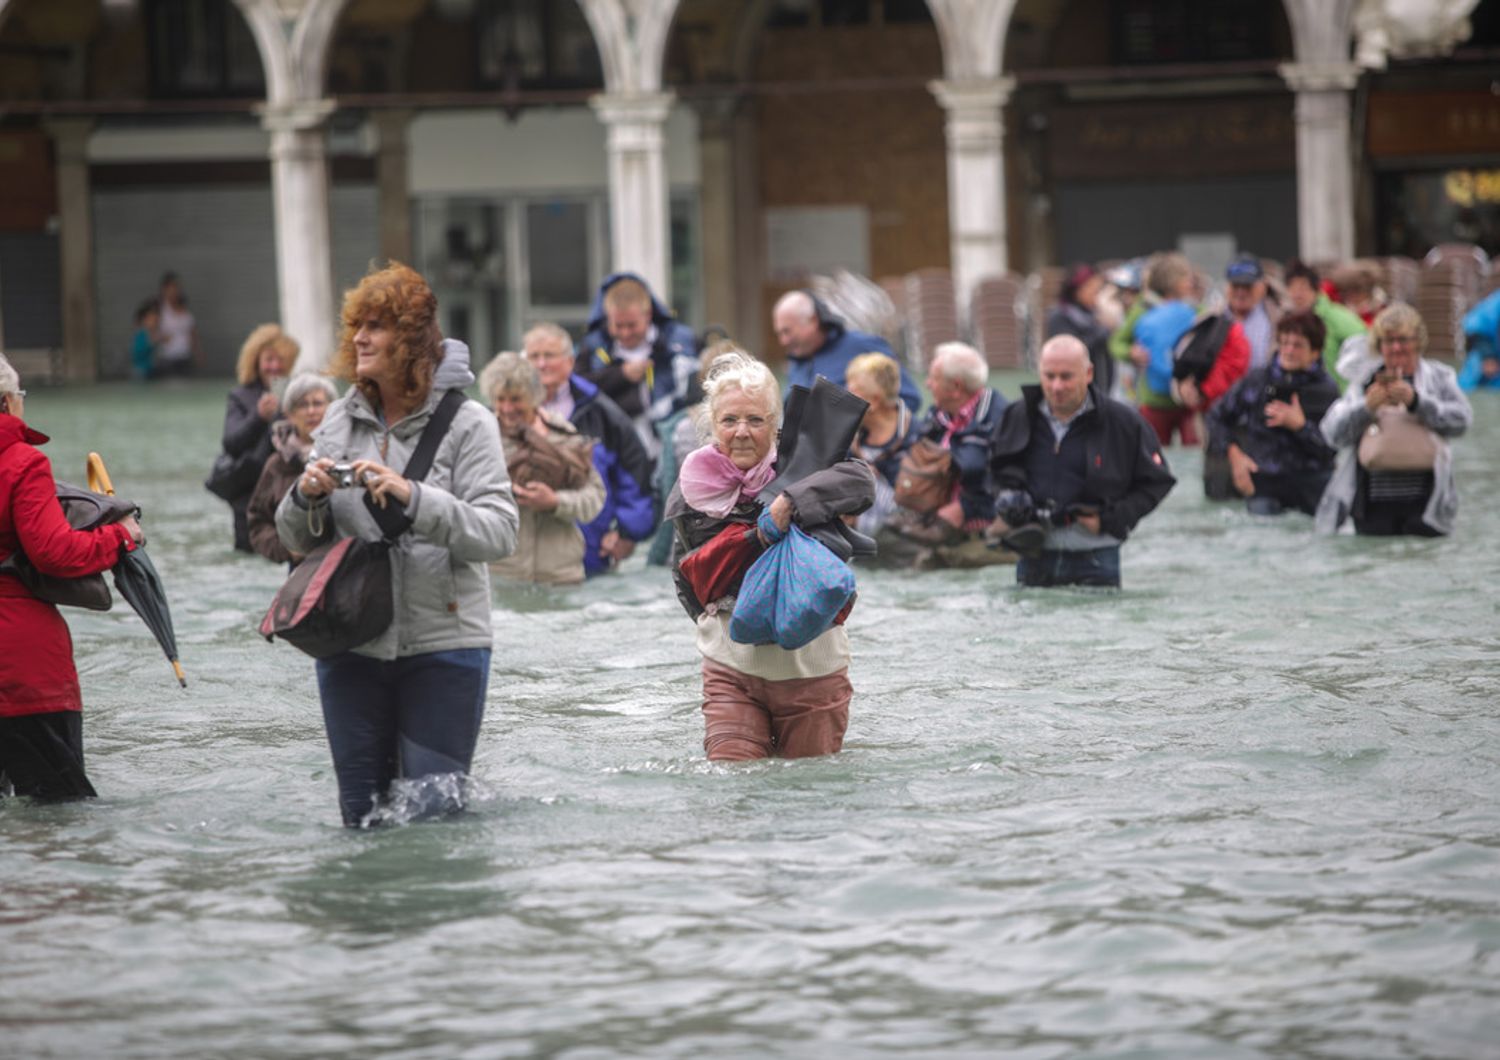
{"x":510,"y":373}
{"x":400,"y":299}
{"x":247,"y":369}
{"x":735,"y":369}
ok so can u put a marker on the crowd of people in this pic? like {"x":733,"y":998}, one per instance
{"x":641,"y":436}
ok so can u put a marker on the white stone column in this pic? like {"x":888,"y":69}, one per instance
{"x":976,"y":179}
{"x":75,"y":210}
{"x":304,"y":258}
{"x":1325,"y":177}
{"x":638,"y":209}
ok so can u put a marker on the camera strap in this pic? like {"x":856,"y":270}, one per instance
{"x":393,"y":521}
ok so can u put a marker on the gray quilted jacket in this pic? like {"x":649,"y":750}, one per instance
{"x":464,"y":516}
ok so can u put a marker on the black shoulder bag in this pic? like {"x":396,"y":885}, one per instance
{"x":339,"y":596}
{"x":85,"y":510}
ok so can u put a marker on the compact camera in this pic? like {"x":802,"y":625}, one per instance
{"x":344,"y":475}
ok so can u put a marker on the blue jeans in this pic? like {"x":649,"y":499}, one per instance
{"x":412,"y":717}
{"x":1099,"y":566}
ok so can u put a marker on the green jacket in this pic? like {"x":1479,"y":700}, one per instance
{"x":1341,"y":322}
{"x":1123,"y":336}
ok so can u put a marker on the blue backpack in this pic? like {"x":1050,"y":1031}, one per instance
{"x":790,"y":595}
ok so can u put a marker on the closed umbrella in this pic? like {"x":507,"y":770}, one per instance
{"x":137,"y":581}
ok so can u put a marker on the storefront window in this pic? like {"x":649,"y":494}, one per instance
{"x":201,"y":48}
{"x":1419,"y":210}
{"x":557,"y":235}
{"x":536,"y":44}
{"x":461,"y":251}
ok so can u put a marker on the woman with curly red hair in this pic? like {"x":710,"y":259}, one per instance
{"x":406,"y":705}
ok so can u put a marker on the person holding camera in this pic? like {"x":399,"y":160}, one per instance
{"x":1392,"y":425}
{"x":1266,"y":427}
{"x":1076,"y":472}
{"x":407,"y":704}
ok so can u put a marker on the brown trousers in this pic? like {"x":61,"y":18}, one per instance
{"x":749,"y":717}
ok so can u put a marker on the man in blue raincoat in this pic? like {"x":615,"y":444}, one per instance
{"x":642,"y":357}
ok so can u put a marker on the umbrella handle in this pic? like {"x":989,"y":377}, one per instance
{"x":99,"y":477}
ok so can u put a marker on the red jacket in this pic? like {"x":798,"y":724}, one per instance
{"x":36,"y":653}
{"x":1232,"y":363}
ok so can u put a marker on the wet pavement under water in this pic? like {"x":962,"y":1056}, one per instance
{"x":1246,"y":807}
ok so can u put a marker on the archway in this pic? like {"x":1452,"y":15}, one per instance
{"x":821,"y":144}
{"x":102,"y":104}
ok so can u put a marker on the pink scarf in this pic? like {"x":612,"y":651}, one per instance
{"x":712,"y":484}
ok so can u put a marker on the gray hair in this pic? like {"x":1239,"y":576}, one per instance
{"x":737,"y":370}
{"x":10,"y":381}
{"x":548,"y":330}
{"x":510,"y":373}
{"x":960,"y":363}
{"x":303,"y":384}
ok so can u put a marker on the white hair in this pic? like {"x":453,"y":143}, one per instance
{"x":10,"y":381}
{"x":960,"y":363}
{"x":510,"y":373}
{"x":737,"y":370}
{"x":304,"y":383}
{"x":799,"y":302}
{"x":548,"y":330}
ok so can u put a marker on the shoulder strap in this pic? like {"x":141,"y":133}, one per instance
{"x":392,"y":521}
{"x":432,"y":435}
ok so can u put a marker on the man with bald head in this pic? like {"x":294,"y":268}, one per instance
{"x":1076,"y":472}
{"x":817,"y":343}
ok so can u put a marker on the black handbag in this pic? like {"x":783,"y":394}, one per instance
{"x":84,"y":509}
{"x":339,"y":596}
{"x":235,"y":476}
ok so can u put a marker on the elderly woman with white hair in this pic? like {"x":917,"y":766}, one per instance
{"x":1395,"y":470}
{"x":552,"y":475}
{"x":758,"y":700}
{"x":307,"y":397}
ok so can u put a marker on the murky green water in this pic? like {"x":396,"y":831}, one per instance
{"x":1248,"y":807}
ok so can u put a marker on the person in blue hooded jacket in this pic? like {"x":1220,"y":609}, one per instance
{"x":643,"y":358}
{"x":629,"y":513}
{"x":1482,"y":332}
{"x":817,"y":343}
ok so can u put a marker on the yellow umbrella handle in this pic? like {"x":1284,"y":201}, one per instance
{"x":99,"y":477}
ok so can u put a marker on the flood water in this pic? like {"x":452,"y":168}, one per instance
{"x":1247,"y":807}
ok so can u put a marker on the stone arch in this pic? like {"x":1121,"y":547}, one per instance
{"x":264,"y":19}
{"x":1322,"y":30}
{"x":312,"y":39}
{"x":973,"y":35}
{"x":612,"y":36}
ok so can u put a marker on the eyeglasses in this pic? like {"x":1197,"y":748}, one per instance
{"x":732,"y":423}
{"x":19,"y":393}
{"x":1398,"y":340}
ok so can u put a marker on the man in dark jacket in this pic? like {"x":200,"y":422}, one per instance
{"x":642,"y":357}
{"x":817,"y":343}
{"x":1267,"y":426}
{"x":629,"y":514}
{"x":1076,"y":472}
